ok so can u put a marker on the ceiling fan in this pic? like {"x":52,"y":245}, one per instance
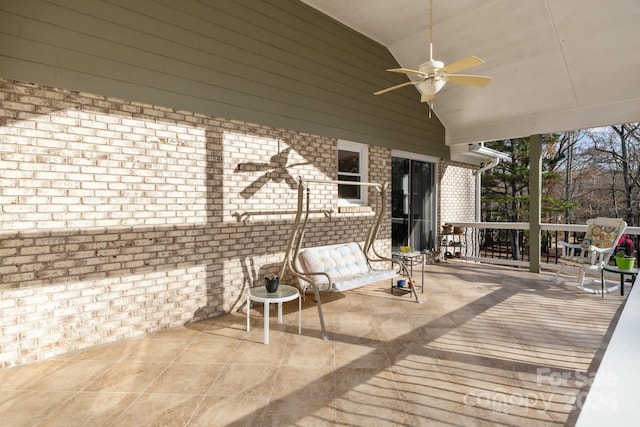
{"x":433,"y":75}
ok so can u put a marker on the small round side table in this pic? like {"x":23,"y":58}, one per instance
{"x":283,"y":294}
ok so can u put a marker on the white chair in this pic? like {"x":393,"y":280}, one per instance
{"x":593,"y":253}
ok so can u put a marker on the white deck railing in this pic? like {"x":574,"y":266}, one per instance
{"x":478,"y":242}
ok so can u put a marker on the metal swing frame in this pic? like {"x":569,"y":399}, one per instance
{"x":298,"y":229}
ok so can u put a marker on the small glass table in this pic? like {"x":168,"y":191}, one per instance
{"x":613,"y":269}
{"x":283,"y":294}
{"x":410,"y":259}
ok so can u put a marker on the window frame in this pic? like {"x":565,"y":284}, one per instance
{"x":363,"y":151}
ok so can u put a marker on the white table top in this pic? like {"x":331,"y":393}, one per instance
{"x":282,"y":294}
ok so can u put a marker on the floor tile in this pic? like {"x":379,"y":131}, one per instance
{"x":305,"y":382}
{"x":186,"y":378}
{"x":308,"y":351}
{"x":28,"y":408}
{"x":89,"y":409}
{"x":208,"y":349}
{"x":129,"y":377}
{"x":157,"y":350}
{"x":18,"y":377}
{"x":159,"y":410}
{"x":249,"y":351}
{"x":244,"y":380}
{"x":114,"y":352}
{"x":361,"y":353}
{"x":72,"y":375}
{"x":289,"y":411}
{"x":215,"y":411}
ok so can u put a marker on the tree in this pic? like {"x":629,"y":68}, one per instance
{"x":592,"y":172}
{"x":505,"y":188}
{"x":564,"y":156}
{"x":619,"y":147}
{"x":585,"y":173}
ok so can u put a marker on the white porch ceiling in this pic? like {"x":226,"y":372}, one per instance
{"x":556,"y":64}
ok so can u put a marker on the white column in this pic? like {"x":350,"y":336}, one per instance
{"x":535,"y":202}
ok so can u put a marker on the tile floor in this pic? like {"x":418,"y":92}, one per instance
{"x":489,"y":346}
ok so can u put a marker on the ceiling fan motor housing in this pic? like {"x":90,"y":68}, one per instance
{"x":431,"y":67}
{"x":434,"y":81}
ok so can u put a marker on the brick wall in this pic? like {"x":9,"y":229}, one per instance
{"x":457,"y":193}
{"x":121,"y":218}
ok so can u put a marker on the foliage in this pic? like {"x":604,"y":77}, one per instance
{"x":625,"y":246}
{"x":585,"y":173}
{"x":618,"y":151}
{"x":505,"y":188}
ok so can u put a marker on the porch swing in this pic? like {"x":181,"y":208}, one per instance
{"x":339,"y":267}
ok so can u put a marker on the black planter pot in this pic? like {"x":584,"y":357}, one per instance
{"x":272,"y":284}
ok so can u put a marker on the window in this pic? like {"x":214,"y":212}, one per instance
{"x":352,"y":166}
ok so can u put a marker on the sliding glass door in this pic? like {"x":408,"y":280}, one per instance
{"x":412,"y":204}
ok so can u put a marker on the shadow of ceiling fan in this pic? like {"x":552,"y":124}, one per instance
{"x":276,"y":171}
{"x":432,"y":76}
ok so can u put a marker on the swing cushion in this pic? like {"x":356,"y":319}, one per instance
{"x":345,"y":264}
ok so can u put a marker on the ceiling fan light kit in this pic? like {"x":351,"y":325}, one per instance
{"x":431,"y":86}
{"x":433,"y":75}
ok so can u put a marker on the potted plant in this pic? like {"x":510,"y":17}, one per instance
{"x":271,"y":282}
{"x":624,"y":261}
{"x":625,"y":244}
{"x":624,"y":253}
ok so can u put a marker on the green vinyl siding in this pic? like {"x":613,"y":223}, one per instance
{"x":274,"y":62}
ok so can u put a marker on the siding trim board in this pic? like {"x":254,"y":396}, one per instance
{"x":191,"y":68}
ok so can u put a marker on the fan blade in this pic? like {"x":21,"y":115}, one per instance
{"x":389,"y":89}
{"x":463,"y":79}
{"x":462,"y":64}
{"x":409,"y":71}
